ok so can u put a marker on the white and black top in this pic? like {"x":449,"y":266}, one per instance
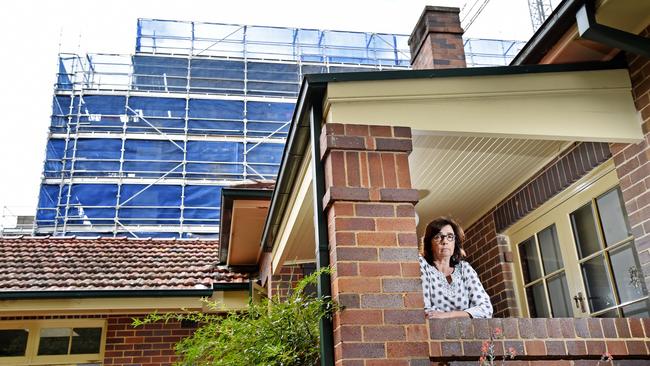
{"x":465,"y":292}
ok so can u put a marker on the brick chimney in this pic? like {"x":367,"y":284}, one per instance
{"x":436,"y":41}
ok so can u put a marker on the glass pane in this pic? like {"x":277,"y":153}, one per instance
{"x":609,"y":314}
{"x":537,"y":301}
{"x":584,"y":231}
{"x":558,"y":293}
{"x":612,"y":217}
{"x":85,"y":340}
{"x":13,"y":342}
{"x":54,"y":341}
{"x":550,"y":248}
{"x":599,"y":290}
{"x":627,"y":273}
{"x":529,"y":260}
{"x":639,"y":309}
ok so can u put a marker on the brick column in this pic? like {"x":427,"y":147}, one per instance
{"x":373,"y":246}
{"x":633,"y":163}
{"x":437,"y":40}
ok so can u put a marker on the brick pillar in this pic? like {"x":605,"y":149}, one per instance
{"x":373,"y":246}
{"x":437,"y":40}
{"x":633,"y":163}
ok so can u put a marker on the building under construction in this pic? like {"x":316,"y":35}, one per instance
{"x":141,"y":145}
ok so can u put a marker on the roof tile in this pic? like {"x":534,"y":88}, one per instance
{"x":78,"y":264}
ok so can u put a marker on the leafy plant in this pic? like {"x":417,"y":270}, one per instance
{"x":271,"y":332}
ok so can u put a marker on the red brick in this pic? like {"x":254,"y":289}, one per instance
{"x":402,"y":132}
{"x":345,"y":239}
{"x":396,"y":224}
{"x":410,"y":269}
{"x":361,"y":317}
{"x":352,"y":169}
{"x":354,"y":224}
{"x":389,"y":169}
{"x":382,"y":301}
{"x":335,"y":163}
{"x":363,"y":169}
{"x":404,"y":316}
{"x":356,"y":254}
{"x":393,"y":144}
{"x":359,"y":285}
{"x":342,"y":209}
{"x":374,"y":210}
{"x":363,"y":350}
{"x":636,"y":348}
{"x":388,"y":363}
{"x":377,"y":239}
{"x":356,"y":130}
{"x":407,"y":349}
{"x":399,"y":195}
{"x":576,"y":348}
{"x":596,"y":347}
{"x":535,"y":348}
{"x":407,"y":239}
{"x":348,"y":333}
{"x":348,"y":269}
{"x":414,"y":300}
{"x":403,"y":171}
{"x":379,"y":269}
{"x":381,"y":131}
{"x":345,"y":194}
{"x":435,"y":349}
{"x":375,"y":170}
{"x":384,"y":333}
{"x":616,"y":348}
{"x":333,"y":129}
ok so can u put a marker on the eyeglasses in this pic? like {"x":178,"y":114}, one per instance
{"x":439,"y":237}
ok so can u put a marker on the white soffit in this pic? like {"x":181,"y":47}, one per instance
{"x":570,"y":106}
{"x":464,"y":177}
{"x":295,"y":241}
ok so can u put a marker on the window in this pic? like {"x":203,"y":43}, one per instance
{"x":576,"y":254}
{"x":44,"y":342}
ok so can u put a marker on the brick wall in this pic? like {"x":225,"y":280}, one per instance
{"x":281,"y":284}
{"x":633,"y":163}
{"x":437,"y":40}
{"x":150,"y":345}
{"x":491,"y":257}
{"x":542,"y":341}
{"x":373,"y":246}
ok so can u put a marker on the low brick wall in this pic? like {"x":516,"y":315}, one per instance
{"x":564,"y":341}
{"x":150,"y":344}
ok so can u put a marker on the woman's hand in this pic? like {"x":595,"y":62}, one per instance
{"x":434,"y":314}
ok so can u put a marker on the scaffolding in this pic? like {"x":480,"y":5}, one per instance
{"x":140,"y":145}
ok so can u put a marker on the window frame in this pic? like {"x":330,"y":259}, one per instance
{"x":599,"y":181}
{"x":34,"y":326}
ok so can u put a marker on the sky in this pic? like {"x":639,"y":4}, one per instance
{"x":33,"y":32}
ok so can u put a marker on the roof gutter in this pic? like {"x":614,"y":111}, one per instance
{"x":305,"y":131}
{"x":562,"y":18}
{"x":24,"y":295}
{"x":588,"y":28}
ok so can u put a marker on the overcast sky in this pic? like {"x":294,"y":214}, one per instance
{"x":33,"y":32}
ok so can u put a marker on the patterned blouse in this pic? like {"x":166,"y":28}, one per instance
{"x":465,"y":292}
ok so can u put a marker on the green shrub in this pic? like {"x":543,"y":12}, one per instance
{"x":271,"y":332}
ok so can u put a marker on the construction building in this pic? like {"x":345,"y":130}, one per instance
{"x":141,"y":145}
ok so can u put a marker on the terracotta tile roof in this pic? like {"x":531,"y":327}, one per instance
{"x":79,"y":264}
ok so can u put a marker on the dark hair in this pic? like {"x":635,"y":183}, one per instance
{"x":434,"y":228}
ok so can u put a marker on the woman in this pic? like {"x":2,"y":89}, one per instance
{"x":451,"y":287}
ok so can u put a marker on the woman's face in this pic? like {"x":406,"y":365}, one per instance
{"x":443,"y":247}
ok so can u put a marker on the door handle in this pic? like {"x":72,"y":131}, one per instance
{"x":579,"y":300}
